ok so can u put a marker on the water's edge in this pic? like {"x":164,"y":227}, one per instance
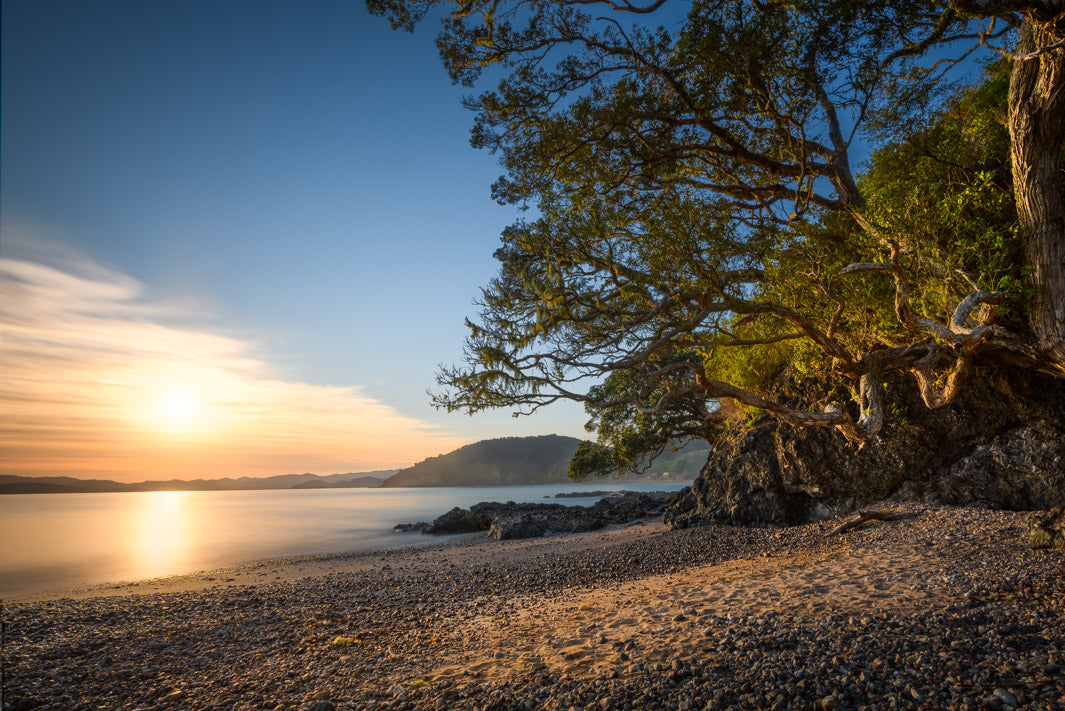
{"x":62,"y":541}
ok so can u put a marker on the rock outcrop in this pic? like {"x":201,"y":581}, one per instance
{"x":511,"y":520}
{"x":1002,"y":445}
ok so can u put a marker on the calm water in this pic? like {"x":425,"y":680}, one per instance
{"x":57,"y":541}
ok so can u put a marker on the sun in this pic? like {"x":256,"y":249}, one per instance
{"x":178,"y":408}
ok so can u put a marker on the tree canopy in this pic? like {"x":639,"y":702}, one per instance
{"x":721,"y":190}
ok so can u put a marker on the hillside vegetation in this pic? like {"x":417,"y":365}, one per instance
{"x":527,"y":460}
{"x":493,"y":462}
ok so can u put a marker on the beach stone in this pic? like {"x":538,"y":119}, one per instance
{"x":23,"y":704}
{"x":1006,"y":697}
{"x":322,"y":706}
{"x":1047,"y":529}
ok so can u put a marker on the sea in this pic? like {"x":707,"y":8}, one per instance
{"x":54,"y":542}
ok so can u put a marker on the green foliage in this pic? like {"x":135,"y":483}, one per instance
{"x":678,"y":462}
{"x":946,"y":191}
{"x":590,"y":458}
{"x":696,"y":206}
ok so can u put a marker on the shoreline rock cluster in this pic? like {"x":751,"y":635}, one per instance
{"x":510,"y":520}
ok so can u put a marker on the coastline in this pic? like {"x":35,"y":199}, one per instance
{"x":146,"y":535}
{"x":946,"y":610}
{"x":421,"y":554}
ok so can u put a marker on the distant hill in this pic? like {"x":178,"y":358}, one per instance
{"x":531,"y":460}
{"x":494,"y":462}
{"x":356,"y":482}
{"x":12,"y":484}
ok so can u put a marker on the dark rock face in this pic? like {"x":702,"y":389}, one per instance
{"x":511,"y":520}
{"x":516,"y":526}
{"x":1047,"y":529}
{"x":1002,"y":445}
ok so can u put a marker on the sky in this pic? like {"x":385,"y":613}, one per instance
{"x":235,"y":239}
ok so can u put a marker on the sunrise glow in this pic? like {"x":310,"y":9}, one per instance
{"x":100,"y":380}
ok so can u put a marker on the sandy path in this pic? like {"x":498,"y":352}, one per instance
{"x":665,"y":617}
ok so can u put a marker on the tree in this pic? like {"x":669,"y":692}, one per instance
{"x":700,"y":221}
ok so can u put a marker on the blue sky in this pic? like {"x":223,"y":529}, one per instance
{"x":296,"y":176}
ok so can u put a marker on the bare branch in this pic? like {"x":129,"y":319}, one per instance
{"x":961,"y":314}
{"x":624,"y":6}
{"x":1037,"y":53}
{"x":957,"y":333}
{"x":838,"y":161}
{"x":916,"y":48}
{"x":865,"y":517}
{"x":935,"y":397}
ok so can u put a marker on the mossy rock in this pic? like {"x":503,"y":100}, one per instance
{"x":1046,"y":529}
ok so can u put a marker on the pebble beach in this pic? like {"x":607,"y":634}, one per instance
{"x":949,"y":609}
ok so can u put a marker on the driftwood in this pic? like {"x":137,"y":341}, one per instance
{"x":864,"y":517}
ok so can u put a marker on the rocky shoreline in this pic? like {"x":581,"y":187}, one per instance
{"x":505,"y":521}
{"x":947,"y":610}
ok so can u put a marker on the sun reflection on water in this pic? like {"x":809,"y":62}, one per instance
{"x":161,"y":537}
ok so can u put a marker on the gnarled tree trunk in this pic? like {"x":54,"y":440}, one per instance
{"x":1037,"y":133}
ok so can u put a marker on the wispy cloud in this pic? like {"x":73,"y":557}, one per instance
{"x":99,"y":379}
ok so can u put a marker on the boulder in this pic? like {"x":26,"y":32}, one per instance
{"x":1001,"y":445}
{"x":457,"y":520}
{"x":1046,"y":529}
{"x":516,"y":526}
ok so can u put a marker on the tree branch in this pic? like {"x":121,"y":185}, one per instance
{"x":624,"y":6}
